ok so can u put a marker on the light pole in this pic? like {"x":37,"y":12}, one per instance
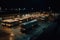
{"x":0,"y":8}
{"x":49,"y":8}
{"x":19,"y":11}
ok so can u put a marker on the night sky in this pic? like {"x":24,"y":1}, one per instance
{"x":23,"y":3}
{"x":41,"y":4}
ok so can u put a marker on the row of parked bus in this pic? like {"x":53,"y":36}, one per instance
{"x":26,"y":23}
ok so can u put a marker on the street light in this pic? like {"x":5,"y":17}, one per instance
{"x":11,"y":9}
{"x":24,"y":8}
{"x":49,"y":10}
{"x":19,"y":10}
{"x":32,"y":8}
{"x":16,"y":9}
{"x":49,"y":7}
{"x":5,"y":8}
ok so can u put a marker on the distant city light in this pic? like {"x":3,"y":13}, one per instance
{"x":19,"y":9}
{"x":5,"y":8}
{"x":23,"y":15}
{"x":49,"y":7}
{"x":43,"y":11}
{"x":24,"y":8}
{"x":32,"y":8}
{"x":16,"y":9}
{"x":11,"y":9}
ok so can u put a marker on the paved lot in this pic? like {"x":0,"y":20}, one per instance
{"x":34,"y":33}
{"x":42,"y":26}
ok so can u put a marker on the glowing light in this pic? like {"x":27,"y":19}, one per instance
{"x":19,"y":9}
{"x":16,"y":9}
{"x":5,"y":8}
{"x":32,"y":8}
{"x":0,"y":8}
{"x":11,"y":9}
{"x":24,"y":8}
